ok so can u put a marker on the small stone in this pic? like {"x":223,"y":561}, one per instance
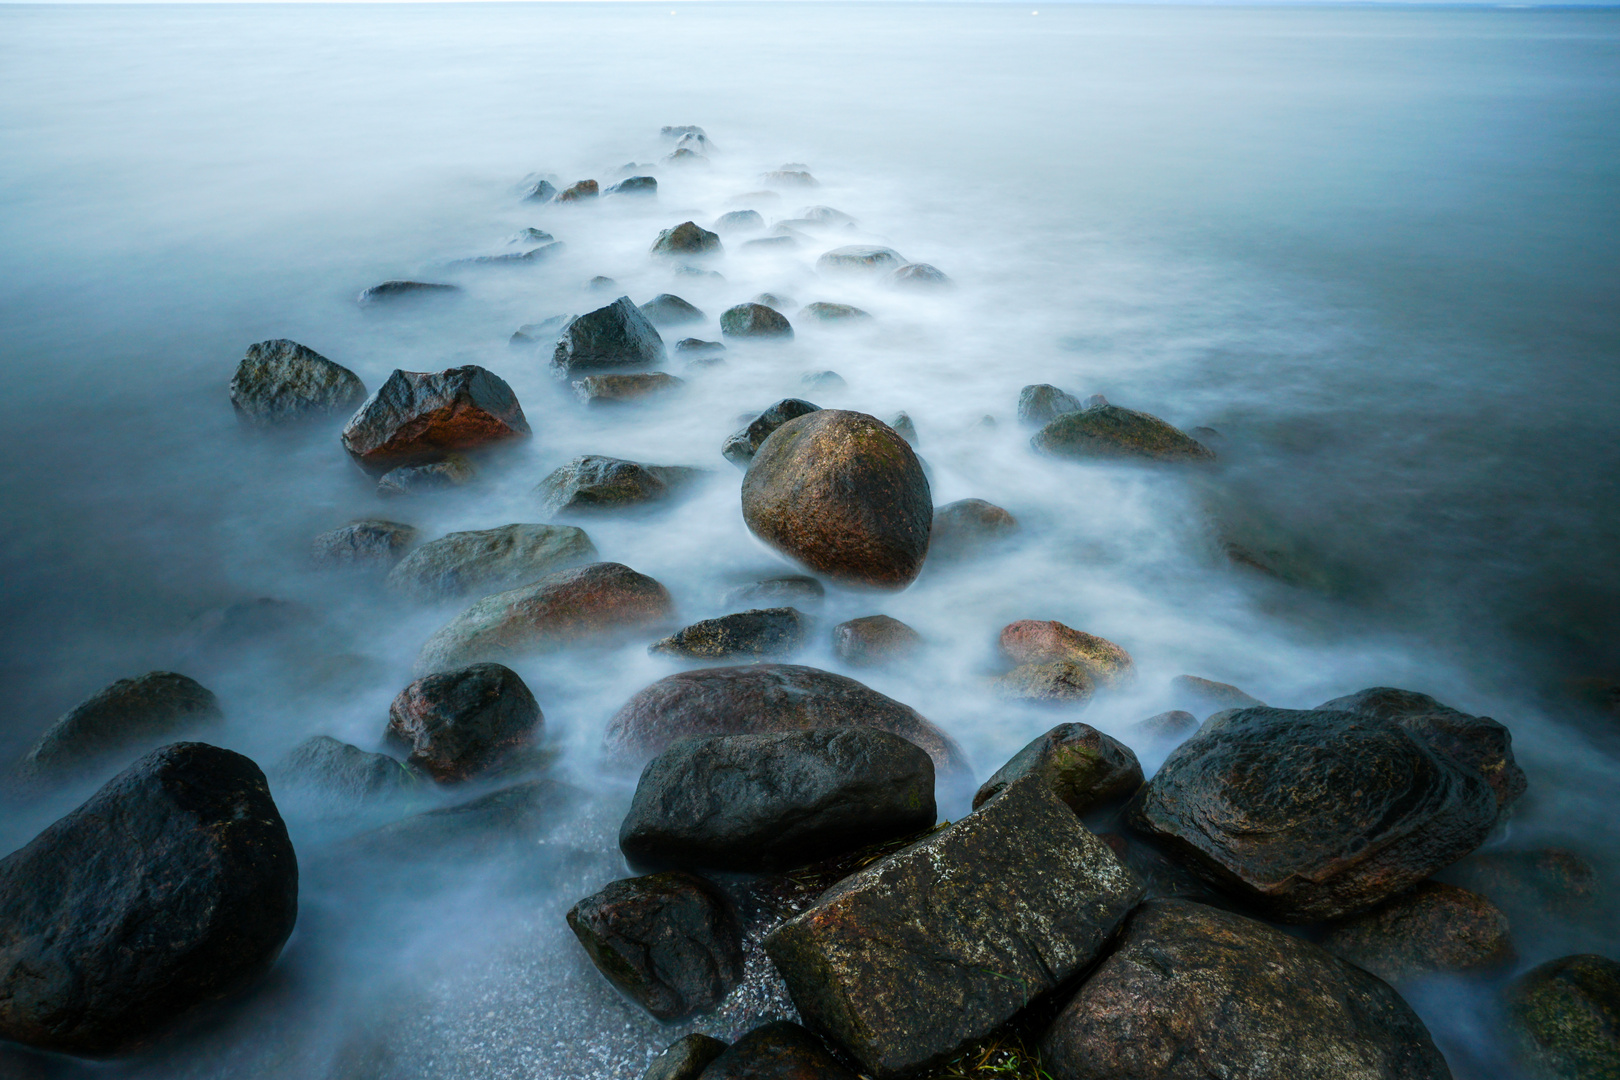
{"x":823,"y":311}
{"x":1084,"y":767}
{"x":489,"y":560}
{"x":585,"y":189}
{"x":859,"y":257}
{"x":281,"y":382}
{"x":363,"y":543}
{"x":453,"y":472}
{"x":739,"y":221}
{"x":790,"y":178}
{"x":968,"y":528}
{"x":696,"y":347}
{"x":531,"y":236}
{"x":755,"y":633}
{"x":904,"y":427}
{"x":688,"y":238}
{"x":129,"y":713}
{"x":874,"y":640}
{"x":774,"y":301}
{"x":920,"y":276}
{"x":666,"y":309}
{"x":1041,"y":403}
{"x":615,"y":336}
{"x":594,"y":482}
{"x":741,"y":447}
{"x":417,"y":418}
{"x":1174,"y":724}
{"x":391,"y":291}
{"x":634,"y":185}
{"x":621,"y":389}
{"x":1109,"y":432}
{"x":685,"y":1059}
{"x":1052,"y":681}
{"x":781,"y":1050}
{"x":1566,"y":1016}
{"x":1037,"y":641}
{"x":1211,"y":694}
{"x":1434,"y":928}
{"x":791,"y":589}
{"x":754,"y":320}
{"x":463,"y":723}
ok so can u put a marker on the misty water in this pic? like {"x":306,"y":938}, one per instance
{"x":1378,"y":250}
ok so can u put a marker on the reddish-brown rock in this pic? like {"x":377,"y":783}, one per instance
{"x":459,"y":724}
{"x":420,"y":416}
{"x":1038,"y":641}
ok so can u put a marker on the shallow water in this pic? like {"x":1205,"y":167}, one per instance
{"x":1376,"y":249}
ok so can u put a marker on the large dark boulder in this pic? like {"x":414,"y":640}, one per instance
{"x":173,"y":885}
{"x":281,"y":382}
{"x":754,"y":320}
{"x":843,"y":494}
{"x":489,"y":560}
{"x":755,"y":803}
{"x":941,"y":943}
{"x":1193,"y":992}
{"x":669,"y":941}
{"x":763,"y":698}
{"x":1108,"y":432}
{"x":667,"y":309}
{"x":1433,"y":928}
{"x":460,"y":724}
{"x":1083,"y":767}
{"x":370,"y":543}
{"x":741,"y":447}
{"x":595,"y":483}
{"x":752,"y":634}
{"x":417,"y":417}
{"x":686,"y":239}
{"x":1566,"y":1018}
{"x":144,"y":710}
{"x":685,"y":1058}
{"x":615,"y":336}
{"x":969,"y":527}
{"x":781,"y":1050}
{"x":1313,"y":815}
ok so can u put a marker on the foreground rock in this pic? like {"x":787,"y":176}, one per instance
{"x":755,"y":803}
{"x":764,"y":698}
{"x":624,"y":389}
{"x":843,"y":494}
{"x":172,"y":886}
{"x":752,"y":634}
{"x":363,"y":543}
{"x":741,"y":447}
{"x":463,"y":723}
{"x":754,"y":321}
{"x":395,"y":291}
{"x":1566,"y":1017}
{"x":685,"y":1059}
{"x":489,"y":560}
{"x":1108,"y":432}
{"x":874,"y":640}
{"x":419,"y":417}
{"x":342,"y":775}
{"x":1036,"y":641}
{"x":941,"y":943}
{"x":1082,"y":766}
{"x":1193,"y":992}
{"x":667,"y":309}
{"x":1434,"y":928}
{"x":1313,"y":815}
{"x":281,"y":382}
{"x":1041,"y":403}
{"x":967,"y":528}
{"x":456,"y":470}
{"x":615,"y":336}
{"x":569,"y":607}
{"x":594,"y":482}
{"x":146,"y":709}
{"x":781,"y":1050}
{"x":860,"y":258}
{"x":668,"y":941}
{"x":686,"y":239}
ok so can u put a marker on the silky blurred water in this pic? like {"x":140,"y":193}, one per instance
{"x":1375,"y":248}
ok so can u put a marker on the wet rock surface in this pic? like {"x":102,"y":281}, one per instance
{"x":1433,"y":928}
{"x":685,"y":1059}
{"x":634,"y":185}
{"x":1084,"y":767}
{"x":489,"y":560}
{"x":874,"y":640}
{"x":579,"y":192}
{"x":697,"y":347}
{"x":1108,"y":432}
{"x":781,"y":1050}
{"x":463,"y":723}
{"x":1566,"y":1016}
{"x":622,"y":389}
{"x":667,"y":309}
{"x":969,"y":527}
{"x":281,"y":382}
{"x":130,"y":712}
{"x":594,"y":483}
{"x":419,"y":417}
{"x":372,"y":542}
{"x":754,"y":321}
{"x":688,"y":238}
{"x":1036,"y":641}
{"x":741,"y":447}
{"x":747,"y":634}
{"x":615,"y":336}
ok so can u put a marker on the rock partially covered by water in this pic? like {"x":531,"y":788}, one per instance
{"x":540,"y":191}
{"x":1036,"y":641}
{"x":755,"y":320}
{"x":1041,"y":403}
{"x":569,"y":607}
{"x":781,"y":1050}
{"x":634,"y":185}
{"x":1313,"y":815}
{"x":393,"y":291}
{"x":1193,"y":992}
{"x":859,"y":258}
{"x":686,"y":1058}
{"x":363,"y":543}
{"x":686,"y":239}
{"x":757,"y":803}
{"x":764,"y":698}
{"x":419,"y":417}
{"x":1084,"y":767}
{"x":341,"y":775}
{"x":599,"y":390}
{"x":739,"y":221}
{"x":172,"y":886}
{"x":800,"y":590}
{"x":668,"y":941}
{"x":920,"y":276}
{"x":750,"y":634}
{"x":463,"y":723}
{"x":843,"y":494}
{"x":1210,"y":694}
{"x":1566,"y":1016}
{"x":1108,"y":432}
{"x":508,"y":821}
{"x":615,"y":336}
{"x":281,"y":382}
{"x":1433,"y":928}
{"x":1057,"y":682}
{"x":579,"y":192}
{"x":1174,"y":724}
{"x":696,"y":347}
{"x":827,"y":312}
{"x":593,"y":483}
{"x":969,"y":527}
{"x":741,"y":447}
{"x":790,"y":178}
{"x":874,"y":640}
{"x":489,"y":560}
{"x":1531,"y":884}
{"x":941,"y":943}
{"x":144,"y":710}
{"x":667,"y":309}
{"x":456,"y":470}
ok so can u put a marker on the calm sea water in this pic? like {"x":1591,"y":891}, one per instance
{"x":1377,"y":249}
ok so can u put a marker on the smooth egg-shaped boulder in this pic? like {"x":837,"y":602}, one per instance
{"x":843,"y":494}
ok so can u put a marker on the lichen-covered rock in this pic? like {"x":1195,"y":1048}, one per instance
{"x":129,"y":713}
{"x":824,"y":311}
{"x":763,"y":698}
{"x":860,"y":258}
{"x":874,"y":640}
{"x":668,"y":941}
{"x":394,"y":291}
{"x":969,"y":527}
{"x":739,"y":221}
{"x":741,"y":447}
{"x":579,"y":192}
{"x":1313,"y":815}
{"x":463,"y":723}
{"x":1053,"y":681}
{"x":1083,"y":767}
{"x":1566,"y":1017}
{"x":363,"y":543}
{"x":844,"y":495}
{"x":754,"y":321}
{"x":1433,"y":928}
{"x":622,"y":389}
{"x":1041,"y":403}
{"x":634,"y":185}
{"x":593,"y":483}
{"x":418,"y":417}
{"x":453,"y":472}
{"x":686,"y":239}
{"x":281,"y":382}
{"x":1211,"y":694}
{"x":920,"y":276}
{"x":565,"y":608}
{"x":1109,"y":432}
{"x":781,"y":1050}
{"x":1193,"y":992}
{"x":172,"y":886}
{"x":489,"y":560}
{"x":340,"y":775}
{"x":615,"y":336}
{"x":685,"y":1058}
{"x":907,"y":961}
{"x":1037,"y":641}
{"x":749,"y":634}
{"x":667,"y":309}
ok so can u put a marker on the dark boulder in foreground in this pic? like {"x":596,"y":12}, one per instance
{"x":594,"y":483}
{"x":1083,"y":767}
{"x":463,"y":723}
{"x":615,"y":336}
{"x":941,"y":943}
{"x":752,"y":634}
{"x":1193,"y":992}
{"x":363,"y":543}
{"x":667,"y":309}
{"x":489,"y":560}
{"x":1104,"y":431}
{"x":1313,"y":815}
{"x":757,"y":803}
{"x":173,"y":885}
{"x":1041,"y":403}
{"x":146,"y":709}
{"x":1433,"y":928}
{"x":874,"y":640}
{"x":754,"y":320}
{"x":687,"y":238}
{"x":281,"y":382}
{"x":781,"y":1050}
{"x":418,"y":417}
{"x":668,"y":941}
{"x":685,"y":1058}
{"x":969,"y":527}
{"x":843,"y":494}
{"x":741,"y":447}
{"x":1566,"y":1017}
{"x":764,"y":698}
{"x":390,"y":291}
{"x":598,"y":390}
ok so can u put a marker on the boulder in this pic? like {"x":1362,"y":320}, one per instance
{"x":823,"y":311}
{"x":489,"y":560}
{"x":393,"y":291}
{"x":795,"y":589}
{"x":1433,"y":928}
{"x":968,"y":527}
{"x":698,"y":347}
{"x":634,"y":185}
{"x":685,"y":1058}
{"x":1174,"y":724}
{"x":418,"y":417}
{"x":920,"y":276}
{"x":540,"y":191}
{"x":790,"y":178}
{"x":1036,"y":641}
{"x":341,"y":775}
{"x":172,"y":886}
{"x":1565,"y":1016}
{"x":781,"y":1050}
{"x":1055,"y":682}
{"x":363,"y":543}
{"x":942,"y":942}
{"x":1193,"y":992}
{"x":686,"y":239}
{"x":1041,"y":403}
{"x":1312,"y":815}
{"x":1084,"y":767}
{"x":1211,"y":694}
{"x":616,"y":336}
{"x":585,"y":189}
{"x":668,"y":941}
{"x":754,"y":320}
{"x":741,"y":447}
{"x":874,"y":640}
{"x":562,"y":609}
{"x":453,"y":472}
{"x":755,"y":803}
{"x":620,"y":389}
{"x":739,"y":221}
{"x":667,"y":309}
{"x":764,"y":698}
{"x":147,"y":709}
{"x":751,"y":634}
{"x":844,"y":495}
{"x":461,"y":724}
{"x":508,"y":821}
{"x":1108,"y":432}
{"x":593,"y":483}
{"x":859,"y":258}
{"x":281,"y":381}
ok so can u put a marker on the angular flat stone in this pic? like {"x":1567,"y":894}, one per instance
{"x":598,"y":390}
{"x":395,"y":291}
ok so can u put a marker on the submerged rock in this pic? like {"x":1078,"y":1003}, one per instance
{"x":843,"y":494}
{"x":1211,"y":694}
{"x":489,"y":560}
{"x":698,"y":347}
{"x":826,"y":215}
{"x":1041,"y":403}
{"x":634,"y":185}
{"x":594,"y":482}
{"x":1105,"y":431}
{"x":545,"y":331}
{"x":1434,"y":928}
{"x":1054,"y":681}
{"x":531,"y":236}
{"x":874,"y":640}
{"x":773,"y":301}
{"x":1084,"y":767}
{"x":463,"y":723}
{"x":754,"y":320}
{"x":1038,"y":641}
{"x":129,"y":713}
{"x":620,"y":389}
{"x":341,"y":774}
{"x":920,"y":276}
{"x":1192,"y":992}
{"x":418,"y":417}
{"x":667,"y":309}
{"x":172,"y":886}
{"x":1566,"y":1017}
{"x":860,"y":258}
{"x":614,"y":336}
{"x":1531,"y":884}
{"x":823,"y":311}
{"x":687,"y":238}
{"x":509,"y":820}
{"x":540,"y":191}
{"x":685,"y":155}
{"x":968,"y":527}
{"x":799,"y":589}
{"x":790,"y":178}
{"x":1174,"y":724}
{"x":281,"y":382}
{"x":390,"y":291}
{"x":737,"y":221}
{"x":453,"y":472}
{"x":904,"y":427}
{"x":780,"y":1050}
{"x":601,"y":283}
{"x":686,"y":1058}
{"x":741,"y":447}
{"x":370,"y":542}
{"x":823,"y":380}
{"x":756,"y":633}
{"x":584,"y":189}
